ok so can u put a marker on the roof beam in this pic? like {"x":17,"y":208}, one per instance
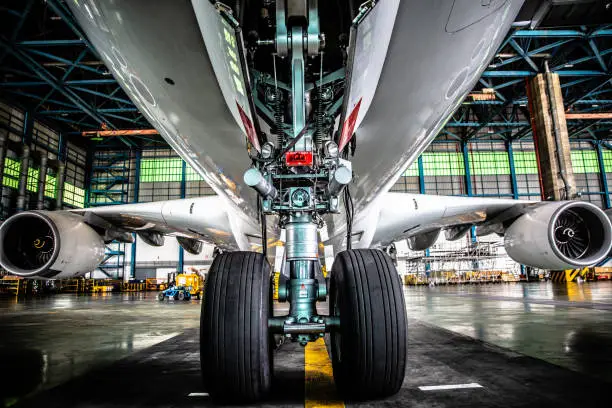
{"x":598,"y":115}
{"x":49,"y":79}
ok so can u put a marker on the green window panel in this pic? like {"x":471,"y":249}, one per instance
{"x":32,"y":184}
{"x":160,"y":170}
{"x":443,"y":164}
{"x":584,"y":161}
{"x":74,"y":196}
{"x":165,"y":170}
{"x":607,"y":159}
{"x":413,"y":170}
{"x":11,"y":173}
{"x":525,"y":162}
{"x":50,"y":186}
{"x":191,"y":175}
{"x":489,"y":163}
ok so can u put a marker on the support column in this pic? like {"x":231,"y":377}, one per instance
{"x":468,"y":190}
{"x":181,"y":255}
{"x":466,"y":165}
{"x":135,"y":200}
{"x":42,"y":181}
{"x":23,"y":178}
{"x":602,"y":174}
{"x":60,"y":177}
{"x":551,"y":137}
{"x":513,"y":182}
{"x":2,"y":159}
{"x":421,"y":175}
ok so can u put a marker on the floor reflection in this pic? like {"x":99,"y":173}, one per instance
{"x":567,"y":324}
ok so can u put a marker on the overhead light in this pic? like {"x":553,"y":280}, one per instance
{"x":594,"y":106}
{"x":568,"y":65}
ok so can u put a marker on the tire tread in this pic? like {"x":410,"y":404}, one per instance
{"x":373,"y":325}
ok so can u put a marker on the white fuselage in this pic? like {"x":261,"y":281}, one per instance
{"x":436,"y":52}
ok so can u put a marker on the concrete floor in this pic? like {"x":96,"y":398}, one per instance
{"x":538,"y":344}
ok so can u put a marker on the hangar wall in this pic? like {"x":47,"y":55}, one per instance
{"x":479,"y":168}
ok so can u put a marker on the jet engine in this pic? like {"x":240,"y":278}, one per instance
{"x":560,"y":235}
{"x":49,"y":245}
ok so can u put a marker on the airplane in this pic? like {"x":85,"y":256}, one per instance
{"x":300,"y":115}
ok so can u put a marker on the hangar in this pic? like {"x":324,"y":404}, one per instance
{"x":305,"y":202}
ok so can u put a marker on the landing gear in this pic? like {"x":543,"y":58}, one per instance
{"x":235,"y":349}
{"x":302,"y":176}
{"x":369,"y":349}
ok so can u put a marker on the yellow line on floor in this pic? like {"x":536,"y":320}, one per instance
{"x":320,"y":390}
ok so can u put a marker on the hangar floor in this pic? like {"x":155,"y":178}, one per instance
{"x":511,"y":345}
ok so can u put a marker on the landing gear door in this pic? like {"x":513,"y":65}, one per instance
{"x":225,"y":46}
{"x":369,"y":39}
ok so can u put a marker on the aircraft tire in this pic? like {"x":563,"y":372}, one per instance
{"x":369,"y":349}
{"x":235,"y":350}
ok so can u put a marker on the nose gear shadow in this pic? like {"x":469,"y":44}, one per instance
{"x":288,"y":381}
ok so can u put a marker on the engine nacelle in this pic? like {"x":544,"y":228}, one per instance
{"x":49,"y":245}
{"x":560,"y":235}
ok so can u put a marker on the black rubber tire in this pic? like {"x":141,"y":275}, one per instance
{"x":161,"y":297}
{"x":369,"y":350}
{"x":235,"y":351}
{"x":181,"y":296}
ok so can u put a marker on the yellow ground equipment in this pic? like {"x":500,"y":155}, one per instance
{"x":12,"y":285}
{"x":193,"y":281}
{"x":156,"y":284}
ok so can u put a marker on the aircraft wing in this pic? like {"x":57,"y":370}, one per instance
{"x":550,"y":235}
{"x":414,"y":216}
{"x":62,"y":244}
{"x":203,"y":219}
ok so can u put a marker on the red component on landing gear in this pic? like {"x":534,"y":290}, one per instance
{"x":298,"y":158}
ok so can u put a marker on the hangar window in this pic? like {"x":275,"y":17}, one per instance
{"x":161,"y":172}
{"x":607,"y":162}
{"x":13,"y":119}
{"x":587,"y":176}
{"x":45,"y":140}
{"x":443,"y":170}
{"x":489,"y":170}
{"x":409,"y":181}
{"x":11,"y":173}
{"x":526,"y":170}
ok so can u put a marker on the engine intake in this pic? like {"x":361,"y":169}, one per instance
{"x":560,"y":235}
{"x":52,"y":245}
